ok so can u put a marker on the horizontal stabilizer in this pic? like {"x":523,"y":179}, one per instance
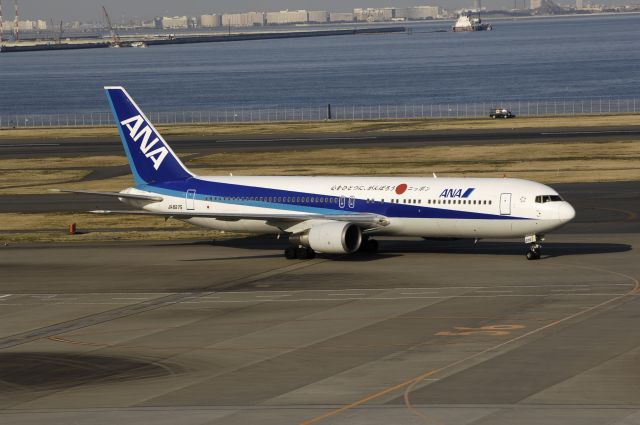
{"x":372,"y":220}
{"x":111,"y":194}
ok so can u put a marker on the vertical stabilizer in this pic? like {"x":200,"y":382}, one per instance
{"x":150,"y":157}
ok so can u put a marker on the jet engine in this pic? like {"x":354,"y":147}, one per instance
{"x":331,"y":238}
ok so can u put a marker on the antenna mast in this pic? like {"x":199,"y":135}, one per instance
{"x":16,"y":28}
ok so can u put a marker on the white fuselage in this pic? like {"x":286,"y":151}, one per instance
{"x":414,"y":206}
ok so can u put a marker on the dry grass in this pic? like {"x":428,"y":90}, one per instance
{"x":544,"y":162}
{"x":87,"y":162}
{"x":31,"y":185}
{"x":109,"y":236}
{"x":91,"y":227}
{"x":84,"y":221}
{"x":335,"y":127}
{"x":14,"y":181}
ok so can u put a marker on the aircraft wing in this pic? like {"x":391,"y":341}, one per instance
{"x":361,"y":219}
{"x":111,"y":194}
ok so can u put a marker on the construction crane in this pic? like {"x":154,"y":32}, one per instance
{"x":114,"y":34}
{"x":59,"y":39}
{"x":56,"y":32}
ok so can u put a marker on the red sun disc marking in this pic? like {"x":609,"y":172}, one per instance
{"x":402,"y":188}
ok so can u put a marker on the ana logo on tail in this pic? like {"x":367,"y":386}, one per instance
{"x":137,"y":131}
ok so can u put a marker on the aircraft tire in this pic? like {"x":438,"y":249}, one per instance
{"x":533,"y":255}
{"x":290,"y":253}
{"x":303,"y":253}
{"x":371,"y":246}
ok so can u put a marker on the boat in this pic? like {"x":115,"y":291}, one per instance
{"x":467,"y":23}
{"x":139,"y":44}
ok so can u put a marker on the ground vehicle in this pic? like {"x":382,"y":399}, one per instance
{"x":501,"y":113}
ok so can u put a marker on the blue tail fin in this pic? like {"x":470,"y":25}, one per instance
{"x":150,"y":157}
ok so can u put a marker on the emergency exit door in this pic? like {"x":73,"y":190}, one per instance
{"x":191,"y":199}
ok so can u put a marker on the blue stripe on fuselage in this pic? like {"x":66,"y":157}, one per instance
{"x":234,"y":194}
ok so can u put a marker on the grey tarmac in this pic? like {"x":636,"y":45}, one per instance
{"x":230,"y":332}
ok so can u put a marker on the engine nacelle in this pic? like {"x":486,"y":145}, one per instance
{"x":331,"y":238}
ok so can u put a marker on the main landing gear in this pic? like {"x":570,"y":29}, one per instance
{"x":534,"y":246}
{"x":299,"y":252}
{"x":368,"y":246}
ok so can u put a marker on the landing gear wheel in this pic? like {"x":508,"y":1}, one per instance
{"x":303,"y":253}
{"x":371,"y":246}
{"x":533,"y":254}
{"x":290,"y":253}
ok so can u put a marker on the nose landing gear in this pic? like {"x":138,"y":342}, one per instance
{"x":534,"y":246}
{"x":533,"y":253}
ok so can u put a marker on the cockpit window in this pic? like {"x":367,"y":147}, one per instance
{"x":542,"y":199}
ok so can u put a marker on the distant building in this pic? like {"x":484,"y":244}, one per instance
{"x":341,"y":17}
{"x":579,"y":5}
{"x":418,"y":13}
{"x":546,"y":7}
{"x":318,"y":16}
{"x":41,"y":25}
{"x":248,"y":19}
{"x":211,"y":21}
{"x":372,"y":14}
{"x":284,"y":17}
{"x":175,"y":22}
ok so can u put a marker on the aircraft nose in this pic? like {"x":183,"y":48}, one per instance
{"x":566,"y":212}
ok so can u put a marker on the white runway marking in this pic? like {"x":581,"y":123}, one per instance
{"x":274,"y":295}
{"x":329,"y":295}
{"x":495,"y":291}
{"x":131,"y":298}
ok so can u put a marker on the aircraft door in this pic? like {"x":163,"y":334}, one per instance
{"x":342,"y":201}
{"x":352,"y":202}
{"x":191,"y":199}
{"x":505,"y":204}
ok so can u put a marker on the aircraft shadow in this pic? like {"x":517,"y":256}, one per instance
{"x":393,"y":248}
{"x":551,"y":249}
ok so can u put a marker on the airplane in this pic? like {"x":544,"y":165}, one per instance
{"x":329,"y":215}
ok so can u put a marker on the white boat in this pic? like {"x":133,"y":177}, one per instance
{"x":466,"y":23}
